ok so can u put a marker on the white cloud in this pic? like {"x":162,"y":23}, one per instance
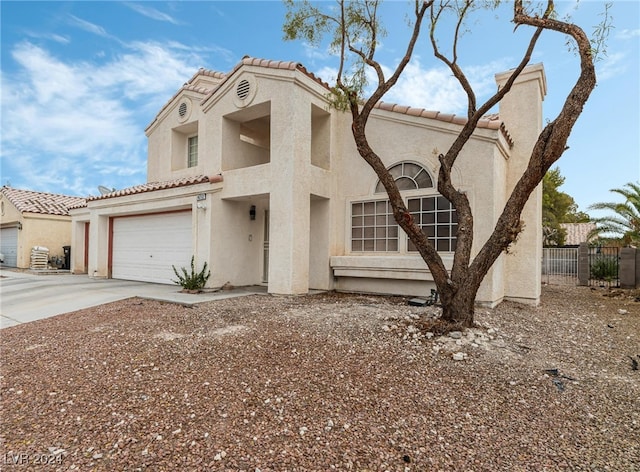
{"x":152,"y":13}
{"x":627,"y":34}
{"x":90,"y":27}
{"x":67,"y":126}
{"x":436,"y":88}
{"x":612,"y":65}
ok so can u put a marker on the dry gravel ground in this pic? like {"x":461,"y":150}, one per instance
{"x":325,"y":382}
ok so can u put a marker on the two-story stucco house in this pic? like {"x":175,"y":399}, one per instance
{"x":253,"y":172}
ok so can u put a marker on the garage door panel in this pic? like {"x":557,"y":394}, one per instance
{"x":146,"y":247}
{"x":9,"y":246}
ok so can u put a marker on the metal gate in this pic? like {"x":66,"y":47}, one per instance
{"x":560,"y":265}
{"x":604,"y":266}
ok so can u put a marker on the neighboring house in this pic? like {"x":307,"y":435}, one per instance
{"x":254,"y":173}
{"x":578,"y":233}
{"x":29,"y":219}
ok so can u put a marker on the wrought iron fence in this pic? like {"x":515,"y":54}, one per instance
{"x":560,"y":265}
{"x":604,"y":266}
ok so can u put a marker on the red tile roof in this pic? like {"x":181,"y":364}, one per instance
{"x":577,"y":232}
{"x":152,"y":186}
{"x":487,"y":122}
{"x":28,"y":201}
{"x":269,"y":64}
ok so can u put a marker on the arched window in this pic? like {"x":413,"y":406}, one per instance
{"x":373,"y":228}
{"x":408,"y":176}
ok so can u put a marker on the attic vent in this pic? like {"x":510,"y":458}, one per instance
{"x":182,"y":109}
{"x":243,"y":89}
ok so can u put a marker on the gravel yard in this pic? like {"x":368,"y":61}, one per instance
{"x":325,"y":382}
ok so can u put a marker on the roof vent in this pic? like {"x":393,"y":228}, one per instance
{"x":243,"y":89}
{"x":182,"y":109}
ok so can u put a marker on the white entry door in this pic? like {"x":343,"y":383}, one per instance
{"x":9,"y":246}
{"x":146,"y":247}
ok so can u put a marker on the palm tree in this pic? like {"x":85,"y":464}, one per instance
{"x":625,"y":222}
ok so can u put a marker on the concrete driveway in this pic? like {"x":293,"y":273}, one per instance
{"x":26,"y":296}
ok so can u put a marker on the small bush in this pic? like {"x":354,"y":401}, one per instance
{"x":604,"y":268}
{"x":194,"y":280}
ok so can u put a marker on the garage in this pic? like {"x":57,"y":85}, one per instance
{"x":9,"y":246}
{"x":145,"y":247}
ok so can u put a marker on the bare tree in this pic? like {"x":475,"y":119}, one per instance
{"x":355,"y":28}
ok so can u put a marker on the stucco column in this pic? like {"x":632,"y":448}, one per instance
{"x":99,"y":246}
{"x":521,"y":111}
{"x":289,"y":202}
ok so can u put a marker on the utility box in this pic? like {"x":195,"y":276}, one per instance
{"x":67,"y":257}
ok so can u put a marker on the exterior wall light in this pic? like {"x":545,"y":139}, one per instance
{"x":19,"y":226}
{"x":252,"y":212}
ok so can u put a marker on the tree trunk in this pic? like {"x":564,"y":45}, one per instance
{"x":458,"y":307}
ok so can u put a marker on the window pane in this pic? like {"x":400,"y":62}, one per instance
{"x":192,"y":151}
{"x":356,"y":209}
{"x":393,"y":231}
{"x":413,"y":205}
{"x":423,"y":179}
{"x":356,"y":221}
{"x":428,"y":204}
{"x":380,"y":188}
{"x":368,"y":245}
{"x":392,"y":245}
{"x":369,"y":220}
{"x":369,"y":232}
{"x":443,"y":203}
{"x":405,"y":183}
{"x":428,"y":218}
{"x":356,"y":233}
{"x":381,"y":208}
{"x":396,"y":171}
{"x":411,"y":246}
{"x":369,"y":208}
{"x":381,"y":220}
{"x":444,"y":217}
{"x":411,"y":170}
{"x":356,"y":245}
{"x":381,"y":244}
{"x":443,"y":231}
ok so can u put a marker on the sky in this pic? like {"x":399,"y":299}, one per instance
{"x":80,"y":81}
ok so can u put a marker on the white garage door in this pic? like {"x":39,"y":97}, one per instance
{"x":145,"y":247}
{"x":9,"y":246}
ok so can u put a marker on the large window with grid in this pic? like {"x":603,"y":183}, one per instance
{"x":373,"y":228}
{"x":438,"y":220}
{"x":192,"y":151}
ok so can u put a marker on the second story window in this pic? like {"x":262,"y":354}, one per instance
{"x":192,"y":151}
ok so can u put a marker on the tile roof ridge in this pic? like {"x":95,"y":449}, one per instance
{"x":490,"y":121}
{"x":159,"y":185}
{"x":268,"y":64}
{"x":47,"y":203}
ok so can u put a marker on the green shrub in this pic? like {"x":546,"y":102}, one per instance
{"x":194,"y":280}
{"x":604,"y":268}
